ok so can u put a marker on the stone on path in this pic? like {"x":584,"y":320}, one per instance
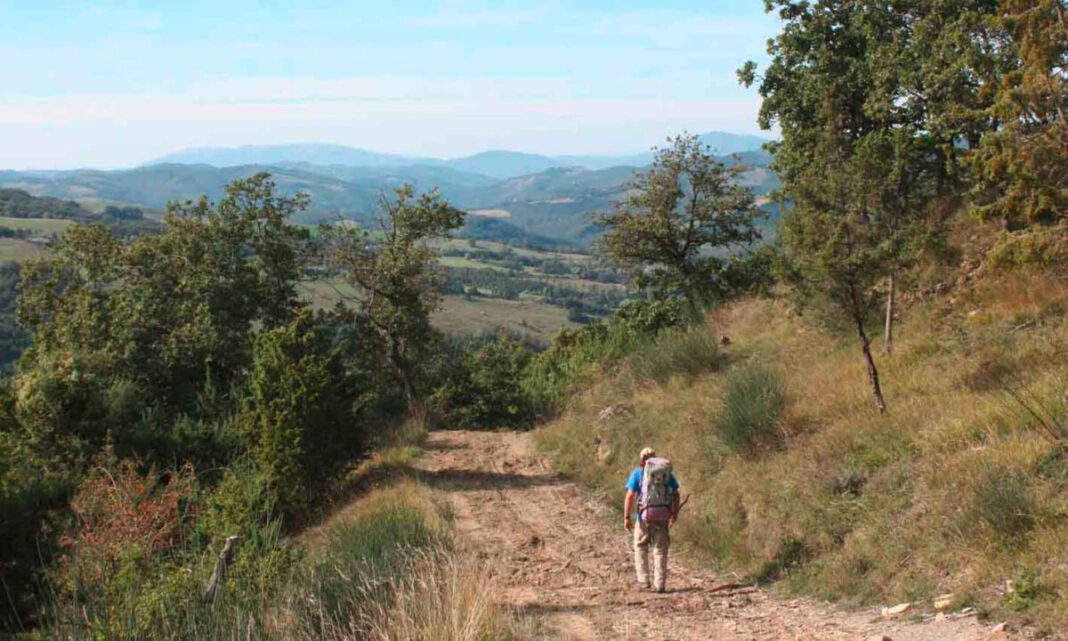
{"x":900,"y":608}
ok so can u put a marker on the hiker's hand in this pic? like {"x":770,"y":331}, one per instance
{"x":628,"y":525}
{"x":671,"y":521}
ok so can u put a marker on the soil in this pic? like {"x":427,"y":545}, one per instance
{"x":558,"y":559}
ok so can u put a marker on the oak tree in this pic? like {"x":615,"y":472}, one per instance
{"x":684,"y":224}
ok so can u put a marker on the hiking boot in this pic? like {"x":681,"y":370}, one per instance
{"x":660,"y":590}
{"x":643,"y":585}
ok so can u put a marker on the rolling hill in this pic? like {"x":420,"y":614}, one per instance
{"x":533,"y":199}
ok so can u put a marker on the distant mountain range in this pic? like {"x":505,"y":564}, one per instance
{"x":495,"y":163}
{"x":527,"y":196}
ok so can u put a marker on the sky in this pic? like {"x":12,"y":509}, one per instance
{"x":117,"y":83}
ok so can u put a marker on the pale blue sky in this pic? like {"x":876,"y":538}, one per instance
{"x":115,"y":83}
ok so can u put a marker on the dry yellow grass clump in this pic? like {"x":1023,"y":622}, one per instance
{"x":960,"y":487}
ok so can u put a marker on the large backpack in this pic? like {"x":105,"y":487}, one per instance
{"x":657,"y":500}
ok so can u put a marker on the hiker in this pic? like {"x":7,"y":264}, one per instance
{"x":652,"y":487}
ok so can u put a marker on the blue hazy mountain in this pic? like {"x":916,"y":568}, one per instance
{"x":500,"y":164}
{"x":312,"y":153}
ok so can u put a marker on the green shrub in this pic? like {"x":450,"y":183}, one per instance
{"x":753,"y":407}
{"x":299,"y":418}
{"x":1005,"y":503}
{"x":554,"y":374}
{"x":1039,"y":246}
{"x":679,"y":352}
{"x":486,"y":390}
{"x":1027,"y":590}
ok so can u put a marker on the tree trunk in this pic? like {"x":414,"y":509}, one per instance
{"x":865,"y":346}
{"x":401,"y":364}
{"x":888,"y":346}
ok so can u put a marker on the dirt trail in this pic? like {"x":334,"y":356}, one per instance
{"x":556,"y":559}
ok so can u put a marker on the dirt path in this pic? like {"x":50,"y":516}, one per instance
{"x":557,"y":560}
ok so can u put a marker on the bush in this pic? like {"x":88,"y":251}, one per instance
{"x":753,"y":407}
{"x":553,"y":375}
{"x":1005,"y":503}
{"x":299,"y":419}
{"x":683,"y":352}
{"x":486,"y":390}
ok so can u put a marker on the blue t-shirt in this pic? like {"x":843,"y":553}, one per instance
{"x":634,"y":484}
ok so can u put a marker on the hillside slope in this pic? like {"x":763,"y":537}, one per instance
{"x":960,"y":488}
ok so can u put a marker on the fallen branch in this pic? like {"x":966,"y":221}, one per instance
{"x":219,"y":573}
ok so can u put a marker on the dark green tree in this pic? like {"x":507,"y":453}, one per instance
{"x":130,"y":335}
{"x":300,"y":417}
{"x":684,"y":222}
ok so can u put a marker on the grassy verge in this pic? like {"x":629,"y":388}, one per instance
{"x":960,"y":488}
{"x":386,"y":568}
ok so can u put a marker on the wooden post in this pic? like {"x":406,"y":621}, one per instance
{"x":219,"y":573}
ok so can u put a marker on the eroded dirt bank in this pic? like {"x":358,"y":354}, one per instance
{"x":556,"y":558}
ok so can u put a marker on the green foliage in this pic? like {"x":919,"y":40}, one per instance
{"x":1027,"y":591}
{"x":553,"y":375}
{"x":754,"y":402}
{"x":397,"y":275}
{"x":487,"y":390}
{"x":1022,"y":166}
{"x":1042,"y":247}
{"x":299,"y":418}
{"x":682,"y":223}
{"x":1005,"y":503}
{"x":129,"y":336}
{"x":16,"y":203}
{"x":13,"y":339}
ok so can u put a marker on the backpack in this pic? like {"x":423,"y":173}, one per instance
{"x":657,"y":500}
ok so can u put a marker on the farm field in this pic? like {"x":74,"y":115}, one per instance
{"x":464,"y":244}
{"x":17,"y":249}
{"x":461,"y":262}
{"x":535,"y":319}
{"x":38,"y":225}
{"x":465,"y":316}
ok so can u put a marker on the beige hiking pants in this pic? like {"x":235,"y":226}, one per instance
{"x":659,"y":538}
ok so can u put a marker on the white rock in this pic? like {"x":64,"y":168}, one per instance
{"x":943,"y":602}
{"x":900,"y":608}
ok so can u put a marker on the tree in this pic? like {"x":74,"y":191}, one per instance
{"x":1022,"y":167}
{"x":131,"y":335}
{"x":834,"y":246}
{"x":819,"y":89}
{"x":300,"y":417}
{"x":395,"y":275}
{"x":895,"y":93}
{"x":684,"y":224}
